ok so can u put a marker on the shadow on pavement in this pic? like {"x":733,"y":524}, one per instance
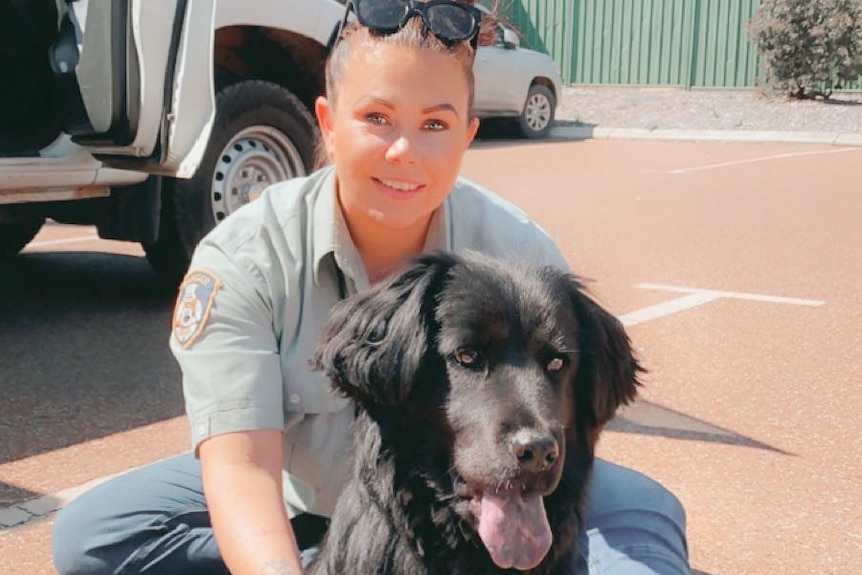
{"x":85,"y":355}
{"x":838,"y":101}
{"x":647,"y":418}
{"x":504,"y":132}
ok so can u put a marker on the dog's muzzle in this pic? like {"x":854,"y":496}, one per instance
{"x":512,"y":522}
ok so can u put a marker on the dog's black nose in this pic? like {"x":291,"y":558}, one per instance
{"x":536,"y":452}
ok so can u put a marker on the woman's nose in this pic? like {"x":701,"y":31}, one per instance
{"x":401,"y":149}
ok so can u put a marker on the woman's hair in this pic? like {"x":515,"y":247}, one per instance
{"x":412,"y":35}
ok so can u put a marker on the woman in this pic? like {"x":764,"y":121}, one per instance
{"x":270,"y":440}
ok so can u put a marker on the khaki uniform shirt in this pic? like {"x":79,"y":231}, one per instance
{"x":259,"y":290}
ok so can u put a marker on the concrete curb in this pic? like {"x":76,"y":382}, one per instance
{"x":599,"y":133}
{"x":34,"y":510}
{"x":41,"y":508}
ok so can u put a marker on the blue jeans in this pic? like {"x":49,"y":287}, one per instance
{"x":154,"y":520}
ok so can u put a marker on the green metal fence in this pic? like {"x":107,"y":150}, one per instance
{"x":723,"y":54}
{"x":688,"y":43}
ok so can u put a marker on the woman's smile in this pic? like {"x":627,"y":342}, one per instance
{"x":400,"y":187}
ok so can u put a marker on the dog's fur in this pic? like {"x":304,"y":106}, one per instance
{"x":450,"y":362}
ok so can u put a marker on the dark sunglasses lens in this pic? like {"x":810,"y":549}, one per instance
{"x":450,"y":22}
{"x":382,"y":14}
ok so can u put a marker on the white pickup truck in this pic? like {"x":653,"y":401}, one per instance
{"x":153,"y":119}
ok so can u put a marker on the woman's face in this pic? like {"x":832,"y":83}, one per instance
{"x":397,"y":133}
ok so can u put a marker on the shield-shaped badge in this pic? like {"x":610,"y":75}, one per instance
{"x":195,"y":300}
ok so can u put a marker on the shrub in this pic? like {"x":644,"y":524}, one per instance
{"x":809,"y":48}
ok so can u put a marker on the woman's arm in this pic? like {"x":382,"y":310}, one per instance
{"x":242,"y":484}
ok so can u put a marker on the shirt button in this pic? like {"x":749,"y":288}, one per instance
{"x":294,"y":398}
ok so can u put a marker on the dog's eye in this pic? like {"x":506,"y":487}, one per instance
{"x":556,"y":364}
{"x":466,"y":357}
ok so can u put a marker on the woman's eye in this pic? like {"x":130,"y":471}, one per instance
{"x":555,"y":365}
{"x":466,"y":357}
{"x":436,"y":125}
{"x":375,"y":118}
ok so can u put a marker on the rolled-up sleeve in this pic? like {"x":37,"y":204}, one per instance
{"x":230,"y":368}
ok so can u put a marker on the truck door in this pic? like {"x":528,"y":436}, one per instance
{"x":128,"y":68}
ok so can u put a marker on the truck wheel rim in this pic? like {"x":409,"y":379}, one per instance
{"x":537,"y":112}
{"x":253,"y":159}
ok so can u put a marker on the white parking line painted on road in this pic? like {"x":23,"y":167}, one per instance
{"x":47,"y":243}
{"x":20,"y":514}
{"x":695,"y":297}
{"x":760,"y":159}
{"x":666,"y":308}
{"x":732,"y":294}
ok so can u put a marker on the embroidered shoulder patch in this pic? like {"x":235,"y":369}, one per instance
{"x":194,"y":303}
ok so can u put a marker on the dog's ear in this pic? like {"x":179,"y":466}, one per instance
{"x":375,"y":343}
{"x":607,"y":374}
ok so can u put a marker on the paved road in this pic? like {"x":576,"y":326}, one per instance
{"x":735,"y":266}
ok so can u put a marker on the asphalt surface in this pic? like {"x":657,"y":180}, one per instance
{"x":735,"y":266}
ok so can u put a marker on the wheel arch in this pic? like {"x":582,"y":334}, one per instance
{"x":546,"y":82}
{"x":242,"y":54}
{"x":286,"y":58}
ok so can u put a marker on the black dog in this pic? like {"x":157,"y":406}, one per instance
{"x":481,"y":388}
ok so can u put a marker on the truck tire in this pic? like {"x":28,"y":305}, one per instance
{"x":262,"y":134}
{"x":18,"y":225}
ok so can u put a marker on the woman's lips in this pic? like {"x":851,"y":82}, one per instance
{"x":398,"y":187}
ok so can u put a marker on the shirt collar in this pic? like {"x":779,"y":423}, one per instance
{"x":439,"y":231}
{"x":323,"y":226}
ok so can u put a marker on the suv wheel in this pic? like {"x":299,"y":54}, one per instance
{"x":18,"y":225}
{"x":537,"y":117}
{"x":262,"y":134}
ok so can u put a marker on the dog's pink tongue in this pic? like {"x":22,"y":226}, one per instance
{"x":514,"y":529}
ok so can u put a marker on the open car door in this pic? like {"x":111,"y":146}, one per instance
{"x":127,"y":73}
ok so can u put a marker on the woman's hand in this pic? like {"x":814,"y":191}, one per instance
{"x":242,"y":484}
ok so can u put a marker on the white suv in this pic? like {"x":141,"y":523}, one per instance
{"x":514,"y":82}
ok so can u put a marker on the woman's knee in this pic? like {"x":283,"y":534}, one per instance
{"x":614,"y":489}
{"x":101,"y":529}
{"x":633,"y":524}
{"x":76,"y":533}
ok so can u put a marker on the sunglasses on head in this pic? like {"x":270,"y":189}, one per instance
{"x":452,"y":22}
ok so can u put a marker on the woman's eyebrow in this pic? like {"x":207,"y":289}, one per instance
{"x":381,"y":102}
{"x":429,"y":110}
{"x":441,"y":108}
